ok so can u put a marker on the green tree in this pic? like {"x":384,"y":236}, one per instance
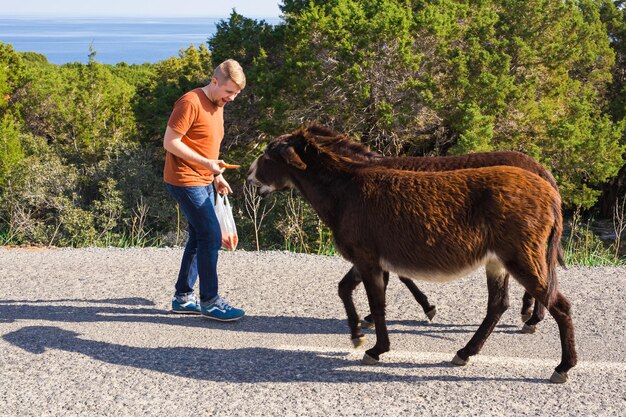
{"x":84,"y":110}
{"x":258,"y":47}
{"x":169,"y":79}
{"x":11,"y":74}
{"x":459,"y":76}
{"x":97,"y":112}
{"x":11,"y":153}
{"x":353,"y":65}
{"x":563,"y":63}
{"x":613,"y":14}
{"x":39,"y":203}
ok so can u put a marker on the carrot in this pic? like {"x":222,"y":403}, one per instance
{"x":230,"y":166}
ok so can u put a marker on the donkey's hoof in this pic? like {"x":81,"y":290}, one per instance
{"x":358,"y":341}
{"x":526,"y":317}
{"x":459,"y":361}
{"x":368,"y":360}
{"x":365,"y":324}
{"x":558,"y":378}
{"x":431,"y":313}
{"x":529,"y":328}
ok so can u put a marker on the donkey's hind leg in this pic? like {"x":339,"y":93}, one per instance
{"x":498,"y":287}
{"x":527,"y":306}
{"x":560,"y":309}
{"x":531,"y":319}
{"x":346,"y":287}
{"x":539,"y":313}
{"x":429,"y":309}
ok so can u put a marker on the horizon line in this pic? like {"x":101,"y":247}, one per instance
{"x":48,"y":15}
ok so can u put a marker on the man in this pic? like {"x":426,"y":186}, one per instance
{"x":192,"y":140}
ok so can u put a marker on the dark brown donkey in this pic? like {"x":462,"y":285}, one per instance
{"x":435,"y":226}
{"x":341,"y":144}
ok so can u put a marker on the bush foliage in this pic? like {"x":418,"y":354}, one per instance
{"x":80,"y":144}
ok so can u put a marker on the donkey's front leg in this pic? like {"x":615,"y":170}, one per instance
{"x":372,"y":277}
{"x":346,"y":287}
{"x":368,"y":321}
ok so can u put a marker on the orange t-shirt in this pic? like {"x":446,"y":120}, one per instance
{"x":202,"y":125}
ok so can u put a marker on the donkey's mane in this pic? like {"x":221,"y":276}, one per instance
{"x":338,"y":143}
{"x":335,"y":150}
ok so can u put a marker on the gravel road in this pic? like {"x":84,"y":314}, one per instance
{"x":86,"y":332}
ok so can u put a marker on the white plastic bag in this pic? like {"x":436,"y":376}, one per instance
{"x":224,"y":213}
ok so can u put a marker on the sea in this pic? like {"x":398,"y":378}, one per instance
{"x":115,"y":40}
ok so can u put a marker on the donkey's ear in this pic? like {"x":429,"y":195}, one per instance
{"x":292,"y":158}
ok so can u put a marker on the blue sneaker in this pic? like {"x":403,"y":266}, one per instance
{"x":221,"y":311}
{"x":185,"y":305}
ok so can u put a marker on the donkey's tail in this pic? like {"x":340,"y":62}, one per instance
{"x":554,"y":253}
{"x":547,"y":175}
{"x":559,"y":254}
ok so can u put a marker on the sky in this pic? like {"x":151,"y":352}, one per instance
{"x":139,"y":8}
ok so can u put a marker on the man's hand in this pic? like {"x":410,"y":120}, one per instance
{"x":216,"y":166}
{"x":221,"y":185}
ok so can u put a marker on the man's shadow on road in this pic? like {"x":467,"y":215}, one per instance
{"x":141,"y":310}
{"x":245,"y":365}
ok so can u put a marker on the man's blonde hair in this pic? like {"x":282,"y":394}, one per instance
{"x":230,"y":70}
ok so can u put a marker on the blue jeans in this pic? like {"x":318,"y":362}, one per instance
{"x":203,"y":245}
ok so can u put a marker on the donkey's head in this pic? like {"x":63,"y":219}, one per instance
{"x":272,"y":171}
{"x":288,"y":156}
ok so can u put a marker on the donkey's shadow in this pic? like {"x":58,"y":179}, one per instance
{"x":244,"y":365}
